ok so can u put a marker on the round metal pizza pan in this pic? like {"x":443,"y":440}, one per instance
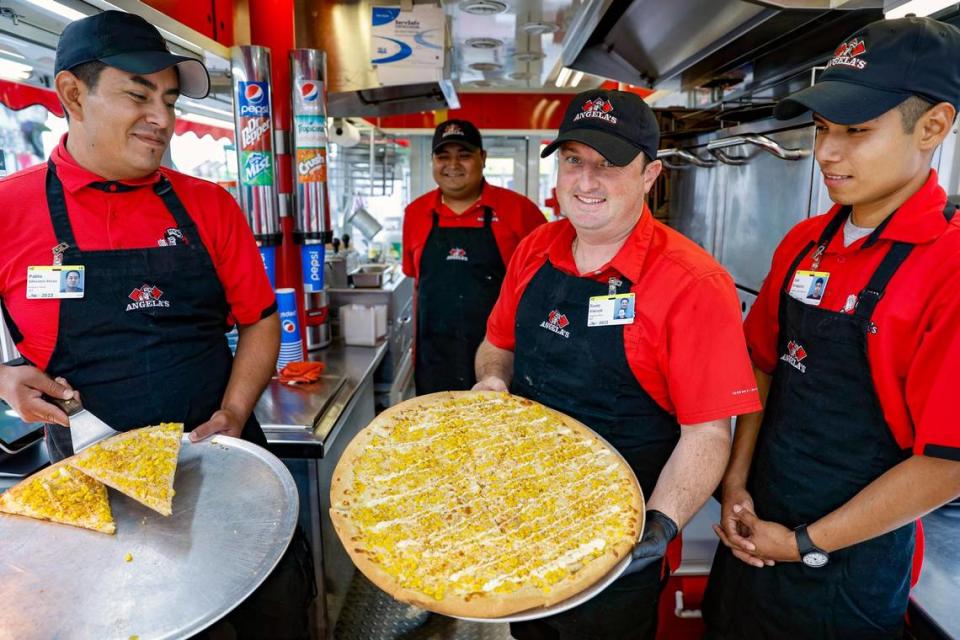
{"x":234,"y":514}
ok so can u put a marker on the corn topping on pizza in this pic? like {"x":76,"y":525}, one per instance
{"x":483,"y":504}
{"x":62,"y":494}
{"x":140,"y":463}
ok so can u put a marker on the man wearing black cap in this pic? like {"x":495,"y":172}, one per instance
{"x":659,"y":384}
{"x":456,"y":243}
{"x":858,"y":435}
{"x":143,"y":343}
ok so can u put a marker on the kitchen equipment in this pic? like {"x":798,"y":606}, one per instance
{"x":233,"y":516}
{"x":85,"y":428}
{"x":372,"y":275}
{"x":362,"y":325}
{"x":362,"y":220}
{"x":317,"y":312}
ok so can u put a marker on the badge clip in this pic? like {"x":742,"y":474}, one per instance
{"x":612,"y":285}
{"x":817,"y":255}
{"x":58,"y":253}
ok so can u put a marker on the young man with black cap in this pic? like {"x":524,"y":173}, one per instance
{"x":659,"y":384}
{"x":143,"y":343}
{"x":457,"y":241}
{"x":858,"y":435}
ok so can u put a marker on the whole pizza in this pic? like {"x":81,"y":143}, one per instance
{"x":483,"y":504}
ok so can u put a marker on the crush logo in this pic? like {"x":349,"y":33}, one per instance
{"x":254,"y":100}
{"x":794,"y":356}
{"x":848,"y":55}
{"x":458,"y":254}
{"x":146,"y":297}
{"x":597,"y":108}
{"x":557,"y":323}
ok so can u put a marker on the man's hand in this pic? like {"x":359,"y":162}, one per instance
{"x":657,"y":534}
{"x":221,"y":421}
{"x":22,"y":387}
{"x":490,"y":383}
{"x":771,"y":542}
{"x":732,"y":531}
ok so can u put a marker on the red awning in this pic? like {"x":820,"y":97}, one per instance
{"x":19,"y":96}
{"x":200,"y":130}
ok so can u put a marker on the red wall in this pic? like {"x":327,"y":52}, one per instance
{"x":212,"y":18}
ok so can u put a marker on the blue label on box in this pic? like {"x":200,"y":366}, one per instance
{"x":269,"y":256}
{"x":311,"y":257}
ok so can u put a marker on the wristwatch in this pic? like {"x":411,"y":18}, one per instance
{"x":810,"y":554}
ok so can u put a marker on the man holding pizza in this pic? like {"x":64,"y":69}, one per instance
{"x":660,"y":385}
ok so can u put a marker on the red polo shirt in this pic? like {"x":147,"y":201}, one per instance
{"x":696,"y":370}
{"x":103,"y":219}
{"x":915,"y":353}
{"x":514,"y":216}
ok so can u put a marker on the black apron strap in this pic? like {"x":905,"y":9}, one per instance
{"x":57,"y":204}
{"x":949,"y":211}
{"x":487,"y":217}
{"x":185,"y":223}
{"x":15,"y":334}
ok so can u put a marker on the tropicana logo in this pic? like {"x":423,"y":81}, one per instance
{"x":556,"y":322}
{"x":848,"y":55}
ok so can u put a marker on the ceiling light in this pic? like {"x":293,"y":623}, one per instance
{"x":12,"y":70}
{"x":563,"y":76}
{"x":486,"y":66}
{"x":917,"y":7}
{"x":480,"y":83}
{"x":61,"y":10}
{"x":12,"y":54}
{"x":529,"y":56}
{"x":520,"y":75}
{"x":484,"y":7}
{"x":484,"y":43}
{"x":540,"y":28}
{"x":576,"y":78}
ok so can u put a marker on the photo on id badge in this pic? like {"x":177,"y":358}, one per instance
{"x":809,"y":286}
{"x":71,"y":282}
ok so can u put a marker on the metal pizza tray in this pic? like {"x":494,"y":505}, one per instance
{"x":234,"y":514}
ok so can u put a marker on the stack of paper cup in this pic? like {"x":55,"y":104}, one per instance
{"x":291,"y":349}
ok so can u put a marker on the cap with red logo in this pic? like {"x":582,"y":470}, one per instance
{"x":459,"y":132}
{"x":616,"y":124}
{"x":880,"y":66}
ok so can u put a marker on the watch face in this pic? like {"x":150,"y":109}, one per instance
{"x":815,"y":559}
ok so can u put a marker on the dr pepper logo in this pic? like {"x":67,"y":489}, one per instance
{"x":145,"y":297}
{"x":794,"y":356}
{"x":557,"y":323}
{"x":848,"y":55}
{"x":597,"y":108}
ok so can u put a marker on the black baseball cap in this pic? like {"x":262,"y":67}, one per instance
{"x":461,"y":132}
{"x":616,"y":124}
{"x":130,"y":43}
{"x":880,"y":66}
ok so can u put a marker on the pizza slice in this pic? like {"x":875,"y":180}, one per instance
{"x":62,"y":494}
{"x":139,"y":463}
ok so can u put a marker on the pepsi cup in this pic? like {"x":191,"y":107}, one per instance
{"x":291,"y":348}
{"x":311,"y":257}
{"x":269,"y":256}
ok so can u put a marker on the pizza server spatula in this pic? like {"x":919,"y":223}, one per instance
{"x":85,"y":428}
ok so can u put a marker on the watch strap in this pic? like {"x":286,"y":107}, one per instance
{"x":804,"y":543}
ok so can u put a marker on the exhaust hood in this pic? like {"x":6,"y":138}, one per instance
{"x":343,"y":29}
{"x":686,"y":44}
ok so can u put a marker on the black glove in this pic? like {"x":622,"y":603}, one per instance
{"x":657,"y":534}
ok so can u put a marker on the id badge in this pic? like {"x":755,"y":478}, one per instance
{"x":55,"y":282}
{"x":808,"y":286}
{"x":611,"y":310}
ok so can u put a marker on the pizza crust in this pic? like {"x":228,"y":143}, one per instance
{"x":480,"y":605}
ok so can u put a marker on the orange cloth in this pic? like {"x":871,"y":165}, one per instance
{"x":301,"y":372}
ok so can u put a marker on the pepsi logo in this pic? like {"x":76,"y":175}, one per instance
{"x":289,"y":326}
{"x":309,"y":91}
{"x":254,"y":93}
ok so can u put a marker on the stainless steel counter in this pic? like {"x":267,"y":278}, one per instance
{"x":937,"y":595}
{"x":304,"y":420}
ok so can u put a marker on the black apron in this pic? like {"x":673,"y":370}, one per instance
{"x":583,"y":372}
{"x":822,"y":440}
{"x":146,"y":343}
{"x":461,"y":271}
